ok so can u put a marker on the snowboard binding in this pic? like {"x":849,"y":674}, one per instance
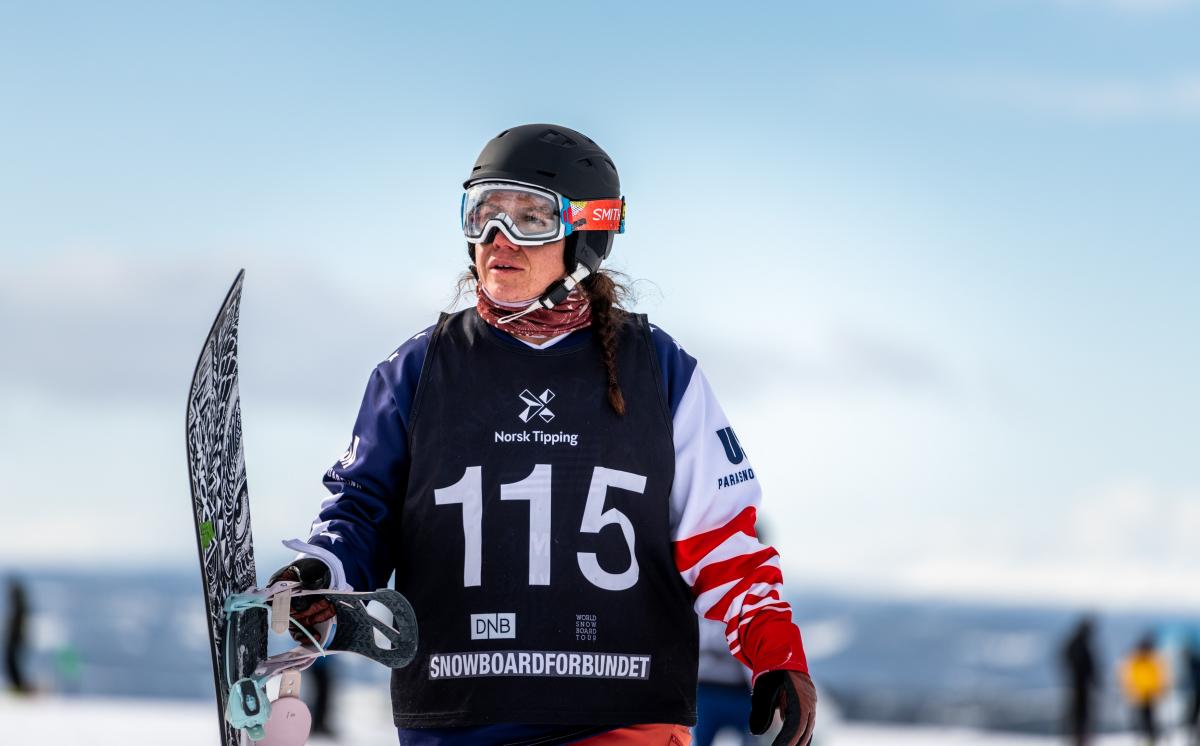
{"x":378,"y":625}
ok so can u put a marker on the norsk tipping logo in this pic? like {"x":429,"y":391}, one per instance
{"x":536,"y":406}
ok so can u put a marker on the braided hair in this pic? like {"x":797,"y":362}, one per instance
{"x":606,"y":295}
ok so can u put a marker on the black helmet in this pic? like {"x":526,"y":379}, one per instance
{"x":560,"y":159}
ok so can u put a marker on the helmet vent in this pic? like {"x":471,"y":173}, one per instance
{"x":554,"y":137}
{"x":502,"y":134}
{"x":550,"y":174}
{"x":585,"y":162}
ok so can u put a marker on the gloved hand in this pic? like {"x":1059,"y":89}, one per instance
{"x":313,"y":575}
{"x":795,"y":696}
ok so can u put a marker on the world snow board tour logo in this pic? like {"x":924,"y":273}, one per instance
{"x":537,"y":406}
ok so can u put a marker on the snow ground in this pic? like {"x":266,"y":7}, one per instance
{"x":365,"y":721}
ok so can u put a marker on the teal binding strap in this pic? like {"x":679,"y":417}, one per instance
{"x":248,"y":706}
{"x":238,"y":603}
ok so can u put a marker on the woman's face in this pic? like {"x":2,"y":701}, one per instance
{"x":514,"y":273}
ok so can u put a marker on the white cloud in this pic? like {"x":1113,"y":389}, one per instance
{"x":816,"y":359}
{"x":99,"y":350}
{"x":97,"y":326}
{"x":1133,"y":524}
{"x":1124,"y":545}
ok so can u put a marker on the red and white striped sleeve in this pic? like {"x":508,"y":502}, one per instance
{"x":736,"y":579}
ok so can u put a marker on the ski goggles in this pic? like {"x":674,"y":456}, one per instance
{"x":530,"y":215}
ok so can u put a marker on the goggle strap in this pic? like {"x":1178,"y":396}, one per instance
{"x":594,"y":215}
{"x":579,"y":275}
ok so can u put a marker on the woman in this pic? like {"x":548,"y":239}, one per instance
{"x":556,"y":489}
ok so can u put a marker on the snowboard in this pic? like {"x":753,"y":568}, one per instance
{"x":378,"y":625}
{"x":221,"y":508}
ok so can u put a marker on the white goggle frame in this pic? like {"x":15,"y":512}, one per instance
{"x":506,"y":225}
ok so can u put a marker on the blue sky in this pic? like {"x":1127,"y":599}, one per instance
{"x":938,"y":258}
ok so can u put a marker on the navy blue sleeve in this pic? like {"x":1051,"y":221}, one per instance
{"x":356,"y":522}
{"x":676,"y":365}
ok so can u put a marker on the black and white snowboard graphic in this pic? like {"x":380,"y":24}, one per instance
{"x":221,"y":506}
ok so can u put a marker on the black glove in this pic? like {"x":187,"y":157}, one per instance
{"x":794,"y":694}
{"x":313,"y":575}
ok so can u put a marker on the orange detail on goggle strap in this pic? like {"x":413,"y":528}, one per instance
{"x":595,"y":215}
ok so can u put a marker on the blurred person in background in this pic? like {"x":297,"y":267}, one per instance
{"x":1144,"y":677}
{"x":605,"y":531}
{"x":14,"y":637}
{"x":723,"y":689}
{"x":1079,"y":662}
{"x":1191,"y":659}
{"x":322,"y":675}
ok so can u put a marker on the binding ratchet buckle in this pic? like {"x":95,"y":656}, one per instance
{"x":249,"y":707}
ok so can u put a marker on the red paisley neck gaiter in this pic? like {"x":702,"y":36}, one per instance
{"x":573,"y":313}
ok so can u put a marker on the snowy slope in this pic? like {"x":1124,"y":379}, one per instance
{"x":51,"y":721}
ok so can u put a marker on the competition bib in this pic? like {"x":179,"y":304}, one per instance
{"x":534,"y":539}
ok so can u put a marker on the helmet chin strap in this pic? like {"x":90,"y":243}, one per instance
{"x":555,"y":294}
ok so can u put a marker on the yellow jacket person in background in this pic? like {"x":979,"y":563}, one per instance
{"x":1145,"y":679}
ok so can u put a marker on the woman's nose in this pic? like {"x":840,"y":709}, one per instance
{"x":501,"y":241}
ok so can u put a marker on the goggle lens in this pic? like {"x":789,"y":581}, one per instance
{"x":527,"y":213}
